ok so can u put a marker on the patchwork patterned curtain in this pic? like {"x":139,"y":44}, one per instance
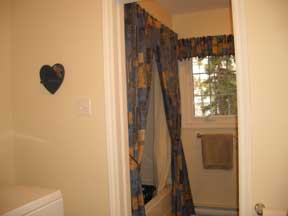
{"x":147,"y":38}
{"x":206,"y":46}
{"x":142,"y":33}
{"x":182,"y":203}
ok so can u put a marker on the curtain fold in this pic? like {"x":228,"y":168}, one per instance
{"x":145,"y":37}
{"x":141,"y":39}
{"x":182,"y":203}
{"x":220,"y":45}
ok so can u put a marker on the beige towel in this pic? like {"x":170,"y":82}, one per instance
{"x":217,"y":151}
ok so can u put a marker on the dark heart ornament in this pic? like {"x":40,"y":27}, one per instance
{"x":52,"y":77}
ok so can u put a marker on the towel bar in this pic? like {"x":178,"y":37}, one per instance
{"x":199,"y":136}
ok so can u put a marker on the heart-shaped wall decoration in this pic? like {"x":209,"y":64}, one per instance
{"x":52,"y":77}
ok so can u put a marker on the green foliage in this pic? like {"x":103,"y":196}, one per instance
{"x":219,"y":86}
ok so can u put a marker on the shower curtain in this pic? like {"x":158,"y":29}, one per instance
{"x":141,"y":35}
{"x":146,"y":37}
{"x":182,"y":203}
{"x":162,"y":142}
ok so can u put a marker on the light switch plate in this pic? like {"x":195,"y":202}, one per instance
{"x":84,"y":106}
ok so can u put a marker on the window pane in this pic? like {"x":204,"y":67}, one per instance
{"x":221,"y":104}
{"x":199,"y":65}
{"x":201,"y":105}
{"x":232,"y":104}
{"x":198,"y":100}
{"x":215,"y":86}
{"x":198,"y":110}
{"x":200,"y":85}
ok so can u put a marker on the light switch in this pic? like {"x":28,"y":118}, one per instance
{"x":84,"y":106}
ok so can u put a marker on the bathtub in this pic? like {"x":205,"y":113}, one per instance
{"x":160,"y":205}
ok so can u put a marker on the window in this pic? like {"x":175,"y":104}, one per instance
{"x":214,"y":86}
{"x":208,"y":92}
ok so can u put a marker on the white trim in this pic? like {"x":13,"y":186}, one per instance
{"x":211,"y":123}
{"x":244,"y":108}
{"x":116,"y":108}
{"x":122,"y":114}
{"x":186,"y":90}
{"x":125,"y":1}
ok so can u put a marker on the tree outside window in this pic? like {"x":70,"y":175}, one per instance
{"x":215,"y":90}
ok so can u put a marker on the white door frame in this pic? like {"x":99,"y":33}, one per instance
{"x":246,"y":207}
{"x":116,"y":108}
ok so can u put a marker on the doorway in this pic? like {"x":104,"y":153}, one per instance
{"x":115,"y":81}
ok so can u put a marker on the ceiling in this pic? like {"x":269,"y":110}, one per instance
{"x":184,"y":6}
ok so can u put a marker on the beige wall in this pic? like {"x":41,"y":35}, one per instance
{"x":55,"y":147}
{"x":206,"y":184}
{"x":212,"y":188}
{"x":157,"y":11}
{"x":268,"y":63}
{"x":203,"y":23}
{"x":6,"y":140}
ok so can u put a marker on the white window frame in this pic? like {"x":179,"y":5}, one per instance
{"x":189,"y":120}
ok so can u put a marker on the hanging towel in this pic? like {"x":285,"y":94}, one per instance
{"x":217,"y":151}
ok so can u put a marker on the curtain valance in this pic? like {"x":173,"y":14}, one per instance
{"x":206,"y":46}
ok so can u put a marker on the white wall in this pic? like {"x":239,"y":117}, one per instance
{"x":214,"y":188}
{"x":268,"y":63}
{"x":6,"y":132}
{"x":54,"y":146}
